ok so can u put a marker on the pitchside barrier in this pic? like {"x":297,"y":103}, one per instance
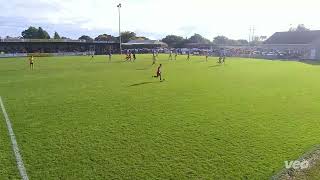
{"x":13,"y":55}
{"x":87,"y":53}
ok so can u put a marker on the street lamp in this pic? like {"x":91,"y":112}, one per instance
{"x":119,"y":7}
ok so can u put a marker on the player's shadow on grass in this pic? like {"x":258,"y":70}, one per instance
{"x":142,"y":69}
{"x":310,"y":62}
{"x":101,"y":62}
{"x":143,"y":83}
{"x":217,"y":65}
{"x":199,"y":61}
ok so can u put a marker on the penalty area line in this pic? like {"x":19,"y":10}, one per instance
{"x":20,"y":164}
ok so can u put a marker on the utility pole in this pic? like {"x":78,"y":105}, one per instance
{"x":250,"y":34}
{"x":253,"y":29}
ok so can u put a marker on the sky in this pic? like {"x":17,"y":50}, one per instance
{"x":157,"y":18}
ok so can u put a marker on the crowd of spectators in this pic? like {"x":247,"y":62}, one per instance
{"x":231,"y":52}
{"x":245,"y":52}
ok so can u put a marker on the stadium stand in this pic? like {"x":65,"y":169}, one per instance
{"x":150,"y":44}
{"x":11,"y":46}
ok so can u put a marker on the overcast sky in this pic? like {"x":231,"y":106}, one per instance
{"x":157,"y":18}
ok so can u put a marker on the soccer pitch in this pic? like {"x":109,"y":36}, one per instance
{"x":80,"y":119}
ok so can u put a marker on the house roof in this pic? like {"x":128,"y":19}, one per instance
{"x":303,"y":37}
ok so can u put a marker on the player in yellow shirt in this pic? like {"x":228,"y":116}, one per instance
{"x":31,"y":61}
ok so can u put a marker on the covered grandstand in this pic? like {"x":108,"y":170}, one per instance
{"x":150,"y":44}
{"x":10,"y":46}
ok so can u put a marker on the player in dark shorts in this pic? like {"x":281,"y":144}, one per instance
{"x":170,"y":55}
{"x":128,"y":58}
{"x":134,"y":55}
{"x":159,"y":73}
{"x":31,"y":61}
{"x":222,"y":56}
{"x":188,"y":57}
{"x":176,"y":55}
{"x":207,"y":54}
{"x":92,"y":55}
{"x":110,"y":55}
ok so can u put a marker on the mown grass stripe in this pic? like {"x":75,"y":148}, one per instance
{"x":20,"y":164}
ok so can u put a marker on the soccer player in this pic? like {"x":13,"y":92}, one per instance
{"x":134,"y":55}
{"x":92,"y":55}
{"x":31,"y":61}
{"x":110,"y":55}
{"x":159,"y":72}
{"x":207,"y":54}
{"x":188,"y":57}
{"x":154,"y":58}
{"x":223,"y":56}
{"x":170,"y":55}
{"x":128,"y":58}
{"x":176,"y":55}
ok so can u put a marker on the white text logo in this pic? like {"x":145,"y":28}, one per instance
{"x":297,"y":164}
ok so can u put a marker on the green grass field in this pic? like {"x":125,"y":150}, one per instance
{"x":77,"y":119}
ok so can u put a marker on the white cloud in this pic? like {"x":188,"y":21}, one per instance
{"x":157,"y":18}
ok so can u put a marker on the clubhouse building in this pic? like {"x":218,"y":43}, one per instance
{"x":306,"y":44}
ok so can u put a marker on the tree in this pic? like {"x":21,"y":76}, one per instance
{"x":42,"y":34}
{"x":299,"y":28}
{"x":232,"y":42}
{"x":127,"y":36}
{"x":56,"y":36}
{"x":263,"y":38}
{"x":220,"y":40}
{"x":30,"y":33}
{"x":85,"y":37}
{"x":105,"y":37}
{"x":173,"y":40}
{"x":35,"y":33}
{"x":256,"y":41}
{"x":197,"y":38}
{"x":242,"y":42}
{"x":141,"y":38}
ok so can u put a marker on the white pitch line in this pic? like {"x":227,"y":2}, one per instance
{"x":22,"y":169}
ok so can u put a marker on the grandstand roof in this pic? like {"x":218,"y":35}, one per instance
{"x":148,"y":42}
{"x":303,"y":37}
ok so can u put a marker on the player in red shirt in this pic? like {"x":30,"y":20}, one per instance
{"x":159,"y":72}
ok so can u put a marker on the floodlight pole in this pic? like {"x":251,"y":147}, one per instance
{"x":119,"y":7}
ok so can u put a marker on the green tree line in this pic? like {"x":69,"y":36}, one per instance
{"x":172,"y":40}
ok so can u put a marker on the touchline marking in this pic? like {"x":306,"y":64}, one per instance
{"x":22,"y":169}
